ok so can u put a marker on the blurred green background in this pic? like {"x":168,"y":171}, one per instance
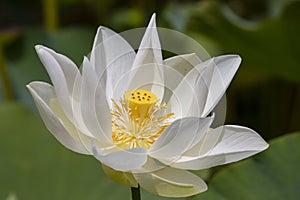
{"x":264,"y":95}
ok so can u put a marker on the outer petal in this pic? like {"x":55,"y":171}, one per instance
{"x":222,"y":145}
{"x":170,"y":182}
{"x":180,"y":136}
{"x":42,"y":94}
{"x":183,"y":100}
{"x":146,"y":71}
{"x":183,"y":63}
{"x":212,"y":84}
{"x":63,"y":73}
{"x":122,"y":160}
{"x":175,"y":68}
{"x":124,"y":178}
{"x":92,"y":102}
{"x":151,"y":165}
{"x":112,"y":58}
{"x":203,"y":86}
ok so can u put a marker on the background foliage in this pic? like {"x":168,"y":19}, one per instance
{"x":264,"y":95}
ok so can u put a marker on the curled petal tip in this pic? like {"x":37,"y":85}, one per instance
{"x":99,"y":29}
{"x":235,"y":56}
{"x":152,"y":22}
{"x":38,"y":47}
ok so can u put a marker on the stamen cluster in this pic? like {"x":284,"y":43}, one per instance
{"x":136,"y":121}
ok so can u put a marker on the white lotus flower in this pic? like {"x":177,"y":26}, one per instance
{"x":119,"y":110}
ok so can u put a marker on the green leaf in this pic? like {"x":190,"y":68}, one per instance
{"x":128,"y":18}
{"x":177,"y":15}
{"x":270,"y":175}
{"x":273,"y":174}
{"x":72,"y":42}
{"x":268,"y":46}
{"x":36,"y":166}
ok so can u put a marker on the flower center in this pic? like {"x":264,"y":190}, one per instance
{"x":136,"y":121}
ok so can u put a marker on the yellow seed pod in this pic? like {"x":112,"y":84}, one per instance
{"x":139,"y":102}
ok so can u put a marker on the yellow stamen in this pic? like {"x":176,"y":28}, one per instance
{"x":135,"y":122}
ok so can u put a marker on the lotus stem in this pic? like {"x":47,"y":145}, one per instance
{"x":135,"y":193}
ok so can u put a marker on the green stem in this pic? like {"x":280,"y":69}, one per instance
{"x":135,"y":193}
{"x":7,"y":88}
{"x":50,"y":14}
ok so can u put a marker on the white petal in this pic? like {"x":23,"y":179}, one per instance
{"x":69,"y":68}
{"x":150,"y":166}
{"x":93,"y":101}
{"x":170,"y":182}
{"x":222,"y":145}
{"x":123,"y":178}
{"x":175,"y":68}
{"x":63,"y":73}
{"x":203,"y":87}
{"x":146,"y":71}
{"x":42,"y":94}
{"x":183,"y":100}
{"x":180,"y":136}
{"x":183,"y":63}
{"x":122,"y":160}
{"x":213,"y":82}
{"x":112,"y":58}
